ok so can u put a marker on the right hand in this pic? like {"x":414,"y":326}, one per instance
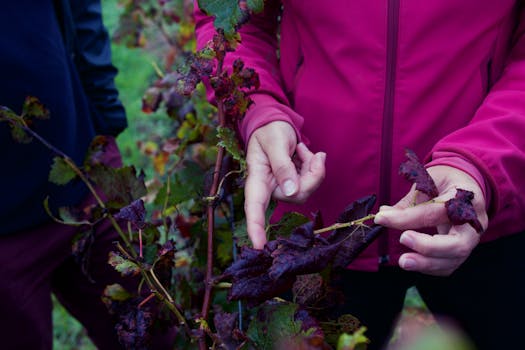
{"x":271,"y":171}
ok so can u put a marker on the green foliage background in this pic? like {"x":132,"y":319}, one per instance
{"x":135,"y":73}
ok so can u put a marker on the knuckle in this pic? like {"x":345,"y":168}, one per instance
{"x":281,"y":169}
{"x":463,"y":251}
{"x":428,"y":218}
{"x":422,"y":248}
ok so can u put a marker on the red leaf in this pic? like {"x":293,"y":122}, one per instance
{"x":461,"y":211}
{"x":416,"y":173}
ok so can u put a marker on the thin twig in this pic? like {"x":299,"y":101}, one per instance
{"x":148,"y":298}
{"x":339,"y":225}
{"x":140,"y":243}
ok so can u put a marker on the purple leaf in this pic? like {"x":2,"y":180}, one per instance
{"x":416,"y":173}
{"x":461,"y":211}
{"x":134,"y":213}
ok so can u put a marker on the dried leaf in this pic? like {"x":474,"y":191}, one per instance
{"x":461,"y":211}
{"x":416,"y":173}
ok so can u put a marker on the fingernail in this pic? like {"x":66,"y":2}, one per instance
{"x":386,"y":208}
{"x":380,"y":219}
{"x":406,"y":240}
{"x":407,"y":263}
{"x":289,"y":187}
{"x":323,"y":156}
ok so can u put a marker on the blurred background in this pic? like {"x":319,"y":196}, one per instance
{"x":136,"y":73}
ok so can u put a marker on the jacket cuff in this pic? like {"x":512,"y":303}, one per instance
{"x":457,"y":161}
{"x":266,"y":109}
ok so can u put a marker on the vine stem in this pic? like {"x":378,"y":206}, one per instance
{"x":208,"y":287}
{"x":339,"y":225}
{"x":212,"y":198}
{"x":140,"y":243}
{"x":211,"y":223}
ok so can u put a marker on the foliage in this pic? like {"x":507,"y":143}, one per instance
{"x":178,"y":229}
{"x":354,"y":341}
{"x":68,"y":333}
{"x":414,"y":171}
{"x":460,"y":210}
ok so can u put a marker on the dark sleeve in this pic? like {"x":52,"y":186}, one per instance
{"x":92,"y":56}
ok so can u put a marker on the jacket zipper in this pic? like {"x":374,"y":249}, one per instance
{"x":388,"y":111}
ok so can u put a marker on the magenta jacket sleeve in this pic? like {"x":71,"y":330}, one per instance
{"x":258,"y":50}
{"x":494,"y":141}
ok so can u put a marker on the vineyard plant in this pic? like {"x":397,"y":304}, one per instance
{"x":182,"y":231}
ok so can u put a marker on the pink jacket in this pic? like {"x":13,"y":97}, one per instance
{"x":362,"y":80}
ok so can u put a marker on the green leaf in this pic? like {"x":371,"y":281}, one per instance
{"x":274,"y":321}
{"x":33,"y":108}
{"x":224,"y":246}
{"x":8,"y":115}
{"x":121,"y":186}
{"x":356,"y":341}
{"x":288,"y":222}
{"x":256,"y":6}
{"x":206,"y":53}
{"x":123,"y":265}
{"x":229,"y":141}
{"x":65,"y":216}
{"x":61,"y":172}
{"x":187,"y":184}
{"x":188,"y":131}
{"x":116,"y":292}
{"x":17,"y":124}
{"x":346,"y":323}
{"x":19,"y":134}
{"x":241,"y":233}
{"x":227,"y":14}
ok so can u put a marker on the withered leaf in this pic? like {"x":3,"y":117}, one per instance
{"x":416,"y":173}
{"x":460,"y":210}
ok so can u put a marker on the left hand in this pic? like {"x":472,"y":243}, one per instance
{"x":443,"y":253}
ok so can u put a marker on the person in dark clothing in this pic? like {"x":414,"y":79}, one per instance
{"x":59,"y":52}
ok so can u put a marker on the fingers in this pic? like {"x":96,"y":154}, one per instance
{"x":311,"y":174}
{"x":272,"y":171}
{"x":419,"y":216}
{"x":411,"y":199}
{"x":284,"y":170}
{"x":269,"y":150}
{"x":261,"y":182}
{"x":278,"y":142}
{"x":438,"y":254}
{"x":257,"y":196}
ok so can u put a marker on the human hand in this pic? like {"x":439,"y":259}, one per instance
{"x":271,"y":171}
{"x":443,"y":253}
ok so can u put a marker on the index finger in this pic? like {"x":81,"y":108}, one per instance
{"x":419,"y":216}
{"x":257,"y":191}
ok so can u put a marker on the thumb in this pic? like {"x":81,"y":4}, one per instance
{"x":284,"y":170}
{"x":278,"y":140}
